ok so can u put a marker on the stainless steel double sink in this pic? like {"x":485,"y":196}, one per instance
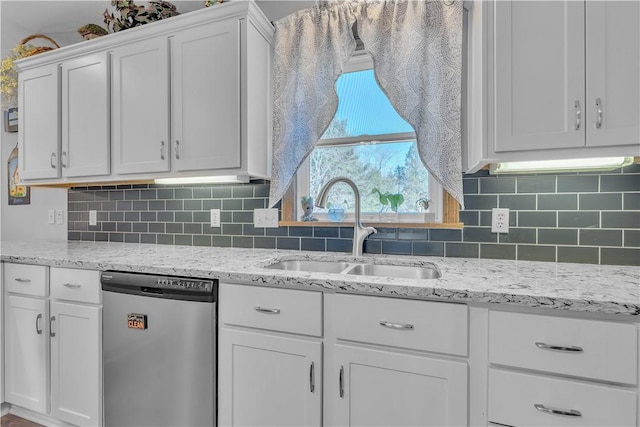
{"x":359,"y":269}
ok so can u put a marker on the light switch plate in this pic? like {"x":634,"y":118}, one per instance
{"x":215,"y":217}
{"x":93,"y":217}
{"x":265,"y":218}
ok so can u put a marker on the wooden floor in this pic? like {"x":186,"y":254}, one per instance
{"x":11,"y":420}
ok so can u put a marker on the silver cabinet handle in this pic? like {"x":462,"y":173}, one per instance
{"x":71,"y":286}
{"x":396,"y":325}
{"x":162,"y":150}
{"x":21,"y":280}
{"x":52,"y":320}
{"x":266,"y":310}
{"x":38,"y":328}
{"x":561,"y":348}
{"x":312,"y":378}
{"x":578,"y":114}
{"x":177,"y":149}
{"x":598,"y":113}
{"x":341,"y":382}
{"x":63,"y":159}
{"x":53,"y":160}
{"x":560,"y":412}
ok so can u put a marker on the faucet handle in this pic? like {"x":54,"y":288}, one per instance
{"x":370,"y":230}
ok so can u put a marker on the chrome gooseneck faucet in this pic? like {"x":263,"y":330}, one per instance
{"x":359,"y":231}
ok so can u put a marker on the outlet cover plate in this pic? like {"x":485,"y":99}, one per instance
{"x":265,"y":218}
{"x":215,"y":217}
{"x":500,"y":220}
{"x":93,"y":217}
{"x":59,"y":216}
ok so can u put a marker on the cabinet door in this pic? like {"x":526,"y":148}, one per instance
{"x":205,"y":97}
{"x":380,"y":388}
{"x":85,"y":116}
{"x":39,"y":123}
{"x":76,"y":363}
{"x":613,"y":73}
{"x":539,"y":75}
{"x":140,"y":107}
{"x":27,"y":353}
{"x":267,"y":380}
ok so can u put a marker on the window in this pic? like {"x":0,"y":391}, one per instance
{"x":368,"y":142}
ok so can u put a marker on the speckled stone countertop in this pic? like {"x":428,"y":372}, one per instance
{"x":575,"y":287}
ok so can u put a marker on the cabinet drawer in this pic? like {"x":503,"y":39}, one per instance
{"x":419,"y":325}
{"x":586,"y":348}
{"x":27,"y":279}
{"x":284,"y":310}
{"x":513,"y":398}
{"x":76,"y":285}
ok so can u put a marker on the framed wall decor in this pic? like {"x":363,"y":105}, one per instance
{"x":19,"y":194}
{"x":11,"y":120}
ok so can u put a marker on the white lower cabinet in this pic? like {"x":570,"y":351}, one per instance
{"x":384,"y":388}
{"x":27,"y":352}
{"x":272,"y":371}
{"x":53,"y":347}
{"x":76,"y":363}
{"x":269,"y":376}
{"x":268,"y":380}
{"x":560,"y":371}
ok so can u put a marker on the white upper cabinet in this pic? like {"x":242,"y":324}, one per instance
{"x":551,"y":80}
{"x":205,"y":97}
{"x":38,"y":122}
{"x":539,"y":75}
{"x":187,"y":96}
{"x":140,"y":107}
{"x":85,"y":116}
{"x":613,"y":73}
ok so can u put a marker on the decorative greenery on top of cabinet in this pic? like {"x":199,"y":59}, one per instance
{"x":168,"y":99}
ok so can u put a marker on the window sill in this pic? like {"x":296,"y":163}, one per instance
{"x":454,"y":225}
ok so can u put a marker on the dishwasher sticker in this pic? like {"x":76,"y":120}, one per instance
{"x":137,"y":321}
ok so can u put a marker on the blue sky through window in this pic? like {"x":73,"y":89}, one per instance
{"x":371,"y":114}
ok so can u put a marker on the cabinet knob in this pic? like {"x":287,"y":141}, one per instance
{"x":38,"y":328}
{"x":341,"y":382}
{"x":21,"y":280}
{"x":560,"y":348}
{"x":267,"y":310}
{"x":53,"y":160}
{"x":162,"y":150}
{"x":177,"y":149}
{"x":578,"y":115}
{"x":63,"y":159}
{"x":52,"y":320}
{"x":560,"y":412}
{"x":396,"y":325}
{"x":312,"y":378}
{"x":599,"y":113}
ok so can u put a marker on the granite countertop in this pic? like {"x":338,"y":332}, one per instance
{"x":575,"y":287}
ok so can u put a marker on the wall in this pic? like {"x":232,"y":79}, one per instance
{"x":28,"y":222}
{"x":588,"y":218}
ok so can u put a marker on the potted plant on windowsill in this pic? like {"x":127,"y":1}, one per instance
{"x":391,"y":201}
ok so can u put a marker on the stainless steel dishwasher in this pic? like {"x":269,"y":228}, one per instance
{"x":159,"y":338}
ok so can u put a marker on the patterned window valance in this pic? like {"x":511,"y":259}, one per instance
{"x":416,"y":48}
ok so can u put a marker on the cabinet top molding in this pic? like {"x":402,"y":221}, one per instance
{"x":165,"y":27}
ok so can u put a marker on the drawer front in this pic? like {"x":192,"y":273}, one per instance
{"x":284,"y":310}
{"x":419,"y":325}
{"x":519,"y":399}
{"x":586,"y":348}
{"x":76,"y":285}
{"x":27,"y":279}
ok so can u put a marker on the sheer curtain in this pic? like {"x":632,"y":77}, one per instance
{"x":416,"y":48}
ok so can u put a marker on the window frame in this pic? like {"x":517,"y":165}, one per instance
{"x":446,"y":208}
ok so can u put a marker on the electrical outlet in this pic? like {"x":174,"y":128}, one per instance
{"x":215,"y":217}
{"x":93,"y":217}
{"x":265,"y":218}
{"x":52,"y":217}
{"x":59,"y":216}
{"x":500,"y":220}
